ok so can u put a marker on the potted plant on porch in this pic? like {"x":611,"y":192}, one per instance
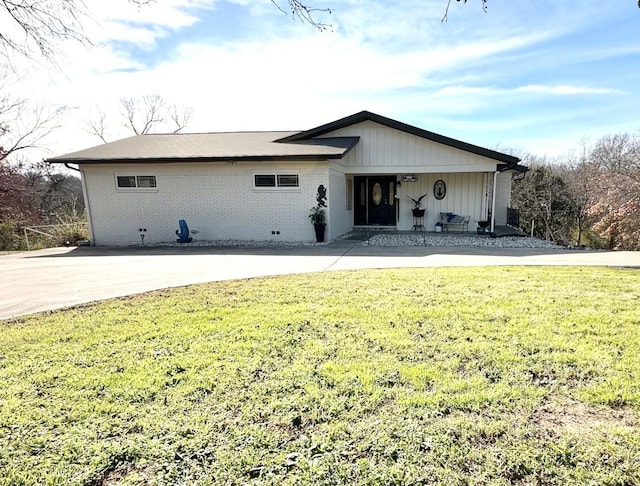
{"x":319,"y":219}
{"x":418,"y":210}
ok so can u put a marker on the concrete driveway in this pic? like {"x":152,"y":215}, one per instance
{"x":62,"y":277}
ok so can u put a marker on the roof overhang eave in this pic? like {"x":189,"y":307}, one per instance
{"x":183,"y":160}
{"x":516,"y":167}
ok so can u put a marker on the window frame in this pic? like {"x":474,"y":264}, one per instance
{"x":278,"y":177}
{"x":137,"y":187}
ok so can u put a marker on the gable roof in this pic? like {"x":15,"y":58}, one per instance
{"x":202,"y":147}
{"x":510,"y":160}
{"x":260,"y":146}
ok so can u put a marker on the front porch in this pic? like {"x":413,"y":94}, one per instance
{"x":387,"y":201}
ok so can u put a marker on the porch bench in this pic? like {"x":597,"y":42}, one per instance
{"x":454,"y":220}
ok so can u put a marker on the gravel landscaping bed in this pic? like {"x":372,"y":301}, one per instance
{"x":427,"y":239}
{"x":395,"y":239}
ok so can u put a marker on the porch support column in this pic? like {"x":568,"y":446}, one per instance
{"x":493,"y":201}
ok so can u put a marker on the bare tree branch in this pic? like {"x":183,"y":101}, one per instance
{"x":33,"y":28}
{"x":145,"y":114}
{"x":23,"y":126}
{"x":29,"y":132}
{"x":446,"y":10}
{"x":142,"y":114}
{"x":37,"y":26}
{"x":96,"y":125}
{"x":305,"y":13}
{"x":180,"y":117}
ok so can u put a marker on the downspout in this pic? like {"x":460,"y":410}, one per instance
{"x":86,"y":199}
{"x":493,"y":201}
{"x":484,"y":212}
{"x":66,"y":164}
{"x":85,"y":194}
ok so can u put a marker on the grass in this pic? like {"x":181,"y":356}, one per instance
{"x":414,"y":376}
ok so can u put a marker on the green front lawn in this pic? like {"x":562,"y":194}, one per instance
{"x":415,"y":376}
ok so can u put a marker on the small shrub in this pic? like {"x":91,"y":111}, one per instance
{"x":69,"y":234}
{"x":10,"y":237}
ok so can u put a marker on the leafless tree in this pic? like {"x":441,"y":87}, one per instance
{"x":31,"y":27}
{"x":56,"y":191}
{"x":616,"y":205}
{"x":150,"y":111}
{"x":142,"y":114}
{"x":23,"y":126}
{"x":145,"y":114}
{"x":96,"y":125}
{"x":179,"y":116}
{"x":34,"y":28}
{"x":541,"y":197}
{"x":580,"y":175}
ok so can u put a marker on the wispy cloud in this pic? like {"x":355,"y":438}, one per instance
{"x":565,"y":90}
{"x":538,"y":89}
{"x":513,"y":75}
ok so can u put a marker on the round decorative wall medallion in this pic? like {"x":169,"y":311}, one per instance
{"x":439,"y":189}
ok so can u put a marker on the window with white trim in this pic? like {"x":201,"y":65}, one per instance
{"x":136,"y":182}
{"x":276,"y":181}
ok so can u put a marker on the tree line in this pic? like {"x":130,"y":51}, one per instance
{"x":592,"y":199}
{"x":35,"y":195}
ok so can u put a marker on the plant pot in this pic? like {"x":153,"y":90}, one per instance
{"x":319,"y":232}
{"x":418,"y":212}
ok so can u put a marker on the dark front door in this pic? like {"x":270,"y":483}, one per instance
{"x":375,"y":201}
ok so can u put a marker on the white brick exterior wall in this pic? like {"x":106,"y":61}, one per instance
{"x":217,"y":200}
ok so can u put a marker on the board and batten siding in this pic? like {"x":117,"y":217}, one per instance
{"x":217,"y":200}
{"x":466,"y":195}
{"x":382,"y":149}
{"x":468,"y":177}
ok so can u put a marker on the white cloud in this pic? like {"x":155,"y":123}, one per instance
{"x":565,"y":90}
{"x":480,"y":75}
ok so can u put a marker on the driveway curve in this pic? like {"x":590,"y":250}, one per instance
{"x":62,"y":277}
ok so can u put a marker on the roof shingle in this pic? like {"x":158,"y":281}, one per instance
{"x":210,"y":146}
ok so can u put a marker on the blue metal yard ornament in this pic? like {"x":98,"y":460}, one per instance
{"x":183,"y":232}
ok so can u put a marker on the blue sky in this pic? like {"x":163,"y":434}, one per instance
{"x":537,"y":77}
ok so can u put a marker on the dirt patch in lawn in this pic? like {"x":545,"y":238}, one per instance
{"x":576,"y":416}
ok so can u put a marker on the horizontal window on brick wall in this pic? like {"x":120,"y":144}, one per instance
{"x":136,"y":182}
{"x":276,"y":181}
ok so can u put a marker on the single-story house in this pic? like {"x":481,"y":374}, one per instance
{"x":262,"y":185}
